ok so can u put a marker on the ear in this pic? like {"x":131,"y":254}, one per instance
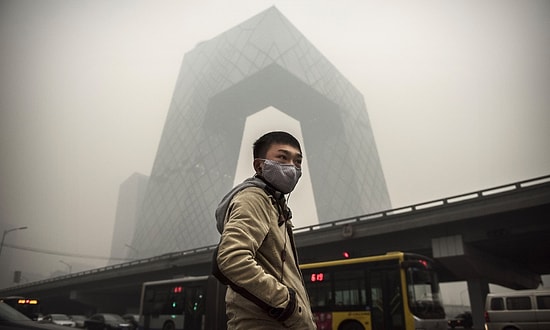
{"x":257,"y":164}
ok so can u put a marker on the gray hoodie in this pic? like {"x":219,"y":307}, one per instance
{"x":224,"y":204}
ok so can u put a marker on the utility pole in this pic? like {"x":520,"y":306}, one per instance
{"x":6,"y":232}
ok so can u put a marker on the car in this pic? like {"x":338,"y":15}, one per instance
{"x":59,"y":319}
{"x":133,"y":319}
{"x":462,"y":320}
{"x":78,"y":320}
{"x":11,"y":319}
{"x":109,"y":321}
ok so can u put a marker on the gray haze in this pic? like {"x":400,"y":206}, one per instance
{"x":457,"y":94}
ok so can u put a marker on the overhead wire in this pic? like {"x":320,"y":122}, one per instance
{"x":64,"y":254}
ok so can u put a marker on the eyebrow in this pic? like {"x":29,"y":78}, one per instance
{"x":288,"y":153}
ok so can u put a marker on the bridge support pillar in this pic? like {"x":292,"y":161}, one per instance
{"x":478,"y":290}
{"x":478,"y":269}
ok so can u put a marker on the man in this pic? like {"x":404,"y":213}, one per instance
{"x":256,"y":256}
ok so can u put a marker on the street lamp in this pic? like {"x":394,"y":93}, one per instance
{"x":132,"y":248}
{"x":68,"y":265}
{"x":6,"y":232}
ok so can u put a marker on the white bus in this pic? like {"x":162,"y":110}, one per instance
{"x":188,"y":303}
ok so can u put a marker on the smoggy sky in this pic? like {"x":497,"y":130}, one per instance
{"x":457,"y":93}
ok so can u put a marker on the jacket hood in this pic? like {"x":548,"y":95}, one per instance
{"x":226,"y":200}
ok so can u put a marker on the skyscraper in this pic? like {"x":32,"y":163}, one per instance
{"x":130,"y":199}
{"x":264,"y":61}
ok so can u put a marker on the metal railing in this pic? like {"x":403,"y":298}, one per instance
{"x":430,"y":204}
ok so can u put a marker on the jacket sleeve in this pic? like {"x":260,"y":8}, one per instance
{"x":246,"y":227}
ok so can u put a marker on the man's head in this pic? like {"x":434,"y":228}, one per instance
{"x":278,"y":159}
{"x":262,"y":145}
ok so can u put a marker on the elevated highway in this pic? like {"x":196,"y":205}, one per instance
{"x":499,"y":235}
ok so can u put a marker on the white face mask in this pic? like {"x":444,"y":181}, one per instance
{"x":283,"y":177}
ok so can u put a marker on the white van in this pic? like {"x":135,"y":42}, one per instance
{"x":518,"y":310}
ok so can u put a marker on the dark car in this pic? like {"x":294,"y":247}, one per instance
{"x":12,"y":319}
{"x":109,"y":321}
{"x":462,"y":320}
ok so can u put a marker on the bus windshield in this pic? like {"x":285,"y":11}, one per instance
{"x":424,"y":295}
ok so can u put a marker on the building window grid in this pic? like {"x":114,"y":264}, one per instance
{"x":205,"y":90}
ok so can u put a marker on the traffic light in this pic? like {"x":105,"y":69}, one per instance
{"x":346,"y":254}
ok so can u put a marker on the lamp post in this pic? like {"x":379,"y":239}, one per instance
{"x":68,"y":265}
{"x":132,"y":248}
{"x":6,"y":232}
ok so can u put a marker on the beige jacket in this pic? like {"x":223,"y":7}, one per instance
{"x":264,"y":291}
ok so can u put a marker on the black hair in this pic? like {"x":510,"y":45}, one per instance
{"x":262,"y":145}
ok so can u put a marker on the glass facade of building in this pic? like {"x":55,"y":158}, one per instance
{"x":264,"y":61}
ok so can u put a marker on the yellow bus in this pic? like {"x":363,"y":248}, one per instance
{"x":395,"y":291}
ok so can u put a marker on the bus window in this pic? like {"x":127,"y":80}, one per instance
{"x":320,"y":290}
{"x":194,"y":308}
{"x":387,"y":306}
{"x":377,"y":300}
{"x":424,"y":296}
{"x":349,"y":289}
